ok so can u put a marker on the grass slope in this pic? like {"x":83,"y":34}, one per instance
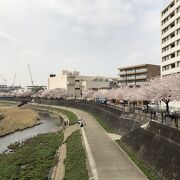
{"x":32,"y":160}
{"x":73,"y":119}
{"x":75,"y":163}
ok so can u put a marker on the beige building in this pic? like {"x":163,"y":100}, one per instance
{"x":76,"y":83}
{"x":170,"y":36}
{"x":138,"y":74}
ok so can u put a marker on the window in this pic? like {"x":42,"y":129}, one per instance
{"x":178,"y":20}
{"x":172,"y":25}
{"x":178,"y":42}
{"x":172,"y":45}
{"x":172,"y":55}
{"x":178,"y":64}
{"x":178,"y":9}
{"x":165,"y":11}
{"x":165,"y":58}
{"x":173,"y":66}
{"x":172,"y":4}
{"x":172,"y":34}
{"x":178,"y":53}
{"x":164,"y":68}
{"x":171,"y":15}
{"x":178,"y":31}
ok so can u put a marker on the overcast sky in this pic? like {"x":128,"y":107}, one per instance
{"x":92,"y":36}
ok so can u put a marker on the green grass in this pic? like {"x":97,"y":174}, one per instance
{"x":134,"y":157}
{"x":33,"y":160}
{"x":75,"y":163}
{"x":73,"y":119}
{"x":102,"y":123}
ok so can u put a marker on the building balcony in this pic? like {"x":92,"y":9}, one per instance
{"x":142,"y":77}
{"x":142,"y":71}
{"x":136,"y":71}
{"x":133,"y":78}
{"x":126,"y":72}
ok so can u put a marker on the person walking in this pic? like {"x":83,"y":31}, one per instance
{"x":82,"y":123}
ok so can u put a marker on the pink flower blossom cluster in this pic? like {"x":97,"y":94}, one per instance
{"x":164,"y":89}
{"x":48,"y":94}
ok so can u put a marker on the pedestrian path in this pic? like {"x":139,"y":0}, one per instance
{"x":110,"y":161}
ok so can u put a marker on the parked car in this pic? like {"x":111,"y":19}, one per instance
{"x":101,"y":100}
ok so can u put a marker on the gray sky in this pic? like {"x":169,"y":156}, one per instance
{"x":92,"y":36}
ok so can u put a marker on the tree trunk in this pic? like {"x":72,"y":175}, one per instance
{"x":167,"y":106}
{"x":147,"y":105}
{"x":134,"y":103}
{"x":124,"y":103}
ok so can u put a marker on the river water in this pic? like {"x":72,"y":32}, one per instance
{"x":49,"y":124}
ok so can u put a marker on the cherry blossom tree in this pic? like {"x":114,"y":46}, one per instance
{"x":109,"y":94}
{"x":123,"y":94}
{"x":164,"y":89}
{"x":57,"y":93}
{"x":145,"y":94}
{"x":88,"y":94}
{"x":98,"y":94}
{"x":27,"y":93}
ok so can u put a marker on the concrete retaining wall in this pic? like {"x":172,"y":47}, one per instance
{"x":158,"y":146}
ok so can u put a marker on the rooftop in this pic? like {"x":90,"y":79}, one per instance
{"x":137,"y":66}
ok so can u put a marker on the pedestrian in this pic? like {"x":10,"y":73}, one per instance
{"x":81,"y":124}
{"x":79,"y":121}
{"x":64,"y":125}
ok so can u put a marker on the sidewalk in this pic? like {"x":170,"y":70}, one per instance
{"x":110,"y":161}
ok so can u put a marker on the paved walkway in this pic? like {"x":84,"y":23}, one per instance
{"x":111,"y":163}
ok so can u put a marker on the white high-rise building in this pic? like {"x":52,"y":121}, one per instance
{"x":170,"y":36}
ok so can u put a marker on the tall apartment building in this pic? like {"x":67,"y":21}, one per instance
{"x":75,"y":83}
{"x":138,"y":74}
{"x":170,"y":36}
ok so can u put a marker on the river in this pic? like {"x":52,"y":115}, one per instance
{"x":48,"y":124}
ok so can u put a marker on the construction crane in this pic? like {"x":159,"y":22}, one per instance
{"x":5,"y":80}
{"x":14,"y":80}
{"x":32,"y":83}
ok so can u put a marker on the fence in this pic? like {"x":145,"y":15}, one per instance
{"x":159,"y":115}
